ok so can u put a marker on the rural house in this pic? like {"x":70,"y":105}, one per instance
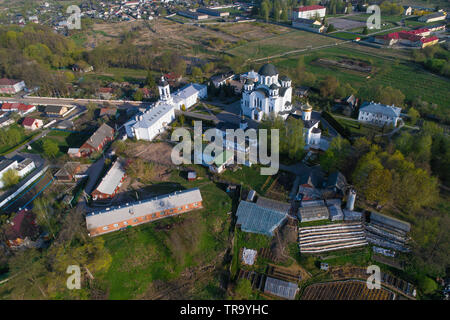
{"x":32,"y":123}
{"x":11,"y":86}
{"x":22,"y":230}
{"x":111,"y":182}
{"x":98,"y":140}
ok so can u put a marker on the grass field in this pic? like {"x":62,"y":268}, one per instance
{"x":161,"y":251}
{"x":283,"y":43}
{"x":398,"y":73}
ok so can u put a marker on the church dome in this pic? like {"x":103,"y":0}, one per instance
{"x":268,"y":70}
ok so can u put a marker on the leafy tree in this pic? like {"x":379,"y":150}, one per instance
{"x":331,"y":28}
{"x":10,"y":178}
{"x":197,"y":74}
{"x":328,"y":87}
{"x":413,"y":115}
{"x":50,"y":148}
{"x":243,"y":289}
{"x":138,"y":95}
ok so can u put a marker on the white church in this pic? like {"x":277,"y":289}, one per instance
{"x":147,"y":125}
{"x":266,"y":93}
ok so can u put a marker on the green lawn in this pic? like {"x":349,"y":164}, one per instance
{"x":250,"y":177}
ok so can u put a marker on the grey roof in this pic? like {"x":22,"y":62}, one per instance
{"x":336,"y":180}
{"x":313,"y":178}
{"x":53,"y":109}
{"x":268,"y":70}
{"x":313,"y":213}
{"x":389,"y":221}
{"x":257,"y":219}
{"x":285,"y":78}
{"x":331,"y":202}
{"x":281,"y":288}
{"x":316,"y":130}
{"x":112,"y":179}
{"x":378,"y":108}
{"x":309,"y":123}
{"x":352,"y":215}
{"x":100,"y":135}
{"x":279,"y":206}
{"x":141,"y":208}
{"x":274,"y":86}
{"x":335,"y":213}
{"x":312,"y":203}
{"x":304,"y":21}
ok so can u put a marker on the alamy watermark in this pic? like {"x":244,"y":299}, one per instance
{"x":374,"y":21}
{"x":374,"y":280}
{"x":74,"y":280}
{"x":74,"y":20}
{"x":250,"y":147}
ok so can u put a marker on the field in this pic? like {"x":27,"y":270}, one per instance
{"x":394,"y":71}
{"x":348,"y":290}
{"x":174,"y":257}
{"x":280,"y":44}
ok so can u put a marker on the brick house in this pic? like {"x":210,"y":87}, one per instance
{"x":32,"y":123}
{"x":22,"y":231}
{"x":111,"y":182}
{"x":98,"y":140}
{"x":132,"y":214}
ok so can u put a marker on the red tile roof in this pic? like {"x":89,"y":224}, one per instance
{"x":28,"y":122}
{"x":308,"y":8}
{"x":429,"y":39}
{"x":19,"y":106}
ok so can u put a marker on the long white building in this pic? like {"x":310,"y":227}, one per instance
{"x":379,"y":114}
{"x":270,"y":94}
{"x":308,"y":12}
{"x":152,"y":122}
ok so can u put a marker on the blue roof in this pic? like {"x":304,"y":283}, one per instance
{"x":257,"y":219}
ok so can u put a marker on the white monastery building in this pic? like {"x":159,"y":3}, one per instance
{"x":269,"y":94}
{"x":379,"y":114}
{"x":308,"y":12}
{"x":147,"y":125}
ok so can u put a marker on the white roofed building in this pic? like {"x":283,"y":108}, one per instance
{"x":379,"y":114}
{"x":147,"y":125}
{"x":111,"y":182}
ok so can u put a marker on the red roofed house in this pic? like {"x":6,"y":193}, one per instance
{"x":98,"y":140}
{"x":172,"y":78}
{"x":308,"y":12}
{"x":10,"y":86}
{"x":105,"y":93}
{"x":23,"y":230}
{"x":32,"y":123}
{"x":414,"y":38}
{"x":18,"y":107}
